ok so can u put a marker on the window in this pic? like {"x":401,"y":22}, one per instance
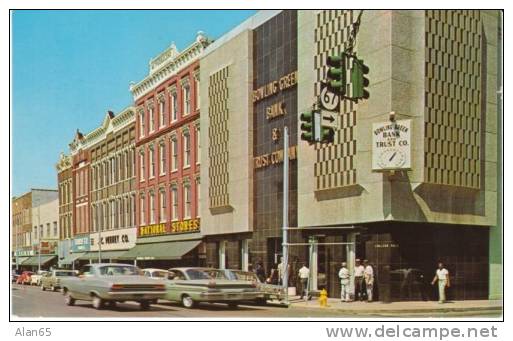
{"x":120,"y":211}
{"x":198,"y":198}
{"x":152,"y":119}
{"x":132,"y":210}
{"x":187,"y":149}
{"x":55,"y":232}
{"x":141,"y":164}
{"x":198,"y":144}
{"x":174,"y":107}
{"x":174,"y":195}
{"x":162,"y":155}
{"x":152,"y":162}
{"x":162,"y":200}
{"x":112,"y":170}
{"x":141,"y":124}
{"x":47,"y":230}
{"x":186,"y":91}
{"x":152,"y":208}
{"x":126,"y":213}
{"x":35,"y":232}
{"x":174,"y":157}
{"x":126,"y":165}
{"x":142,"y":216}
{"x":197,"y":92}
{"x":161,"y":113}
{"x":187,"y":194}
{"x":112,"y":214}
{"x":40,"y":231}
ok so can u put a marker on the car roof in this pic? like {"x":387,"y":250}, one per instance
{"x":192,"y":268}
{"x":109,"y":264}
{"x":153,"y":269}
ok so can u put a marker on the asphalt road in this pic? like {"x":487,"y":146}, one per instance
{"x":31,"y":302}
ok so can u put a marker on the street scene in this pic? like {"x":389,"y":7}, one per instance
{"x":257,"y":164}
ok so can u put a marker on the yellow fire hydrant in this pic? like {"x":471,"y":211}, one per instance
{"x":323,"y":298}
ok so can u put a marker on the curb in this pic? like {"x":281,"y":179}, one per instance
{"x":399,"y":311}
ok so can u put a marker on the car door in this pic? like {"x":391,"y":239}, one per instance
{"x":174,"y":289}
{"x":83,"y":283}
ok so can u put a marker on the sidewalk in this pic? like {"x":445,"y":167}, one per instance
{"x":400,"y":307}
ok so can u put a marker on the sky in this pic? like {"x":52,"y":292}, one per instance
{"x":69,"y":67}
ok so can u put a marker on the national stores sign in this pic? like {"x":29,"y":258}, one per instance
{"x":391,"y":145}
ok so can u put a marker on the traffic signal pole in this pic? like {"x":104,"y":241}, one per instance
{"x":285,"y":246}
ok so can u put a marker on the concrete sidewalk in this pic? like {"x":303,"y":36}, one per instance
{"x":400,"y":307}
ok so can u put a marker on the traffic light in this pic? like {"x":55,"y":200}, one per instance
{"x":358,"y":80}
{"x":327,"y":130}
{"x":337,"y":74}
{"x":307,"y":126}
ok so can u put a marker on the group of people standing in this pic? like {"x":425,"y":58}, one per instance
{"x":363,"y":281}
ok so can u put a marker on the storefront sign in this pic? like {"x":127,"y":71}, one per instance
{"x":48,"y":247}
{"x":275,"y":110}
{"x":182,"y":226}
{"x":391,"y":145}
{"x":273,"y":158}
{"x":80,"y":244}
{"x":272,"y":88}
{"x":24,"y":253}
{"x":114,"y":240}
{"x":385,"y":245}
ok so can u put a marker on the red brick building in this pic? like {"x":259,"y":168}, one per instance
{"x":167,"y":158}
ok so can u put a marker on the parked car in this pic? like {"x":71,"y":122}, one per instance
{"x":24,"y":278}
{"x":155,"y":273}
{"x":106,"y":283}
{"x":52,"y":280}
{"x":193,"y":285}
{"x":267,"y":291}
{"x":35,"y":279}
{"x":14,"y":276}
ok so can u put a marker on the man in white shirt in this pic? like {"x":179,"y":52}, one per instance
{"x":304,"y":273}
{"x":442,"y":276}
{"x":368,"y":274}
{"x":343,"y":274}
{"x":358,"y":281}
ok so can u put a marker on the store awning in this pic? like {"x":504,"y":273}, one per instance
{"x":161,"y":251}
{"x":33,"y":261}
{"x":93,"y":255}
{"x":71,"y":258}
{"x":20,"y":260}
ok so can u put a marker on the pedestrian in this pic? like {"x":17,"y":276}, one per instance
{"x":442,"y":276}
{"x":343,"y":274}
{"x":280,"y":271}
{"x":359,"y":280}
{"x":260,"y":272}
{"x":368,"y":274}
{"x":304,"y":274}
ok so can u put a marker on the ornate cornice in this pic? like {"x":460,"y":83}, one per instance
{"x":63,"y":163}
{"x":168,"y":63}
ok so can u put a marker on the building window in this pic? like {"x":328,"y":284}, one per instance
{"x":105,"y":215}
{"x":162,"y":155}
{"x":113,"y":214}
{"x":198,"y":198}
{"x":187,"y":149}
{"x":141,"y":164}
{"x":152,"y":208}
{"x":55,"y":232}
{"x":126,"y":167}
{"x":132,"y":210}
{"x":142,"y":208}
{"x":35,"y":232}
{"x":186,"y":91}
{"x":197,"y":92}
{"x":141,"y":124}
{"x":162,"y":200}
{"x":198,"y":144}
{"x":161,"y":113}
{"x":47,"y":230}
{"x":174,"y":197}
{"x":152,"y":119}
{"x":174,"y":107}
{"x":174,"y":156}
{"x":152,"y":162}
{"x":120,"y":213}
{"x":40,"y":231}
{"x":112,"y":170}
{"x":187,"y":195}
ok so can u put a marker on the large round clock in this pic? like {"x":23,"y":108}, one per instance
{"x":391,"y":158}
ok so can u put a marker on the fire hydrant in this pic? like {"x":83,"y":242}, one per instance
{"x":323,"y":298}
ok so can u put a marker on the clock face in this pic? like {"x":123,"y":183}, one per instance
{"x":391,"y":158}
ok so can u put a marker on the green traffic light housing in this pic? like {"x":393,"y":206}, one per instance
{"x":358,"y":80}
{"x":307,"y":126}
{"x":337,"y":73}
{"x":327,"y":134}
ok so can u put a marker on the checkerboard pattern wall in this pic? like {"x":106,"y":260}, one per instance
{"x":335,"y":164}
{"x":218,"y":137}
{"x":453,"y":97}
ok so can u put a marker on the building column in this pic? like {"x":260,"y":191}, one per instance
{"x":222,"y":254}
{"x":245,"y":255}
{"x":313,"y":262}
{"x":350,"y":256}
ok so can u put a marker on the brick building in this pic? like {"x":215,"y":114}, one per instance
{"x":65,"y":188}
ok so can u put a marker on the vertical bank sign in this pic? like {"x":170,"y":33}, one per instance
{"x":391,"y":145}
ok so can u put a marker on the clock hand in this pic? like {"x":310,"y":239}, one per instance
{"x":393,"y":155}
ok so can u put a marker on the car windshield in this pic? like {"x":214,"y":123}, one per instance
{"x":116,"y":270}
{"x":205,"y":274}
{"x":64,"y":273}
{"x":160,"y":274}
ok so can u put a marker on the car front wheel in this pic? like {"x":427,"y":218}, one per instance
{"x":52,"y":288}
{"x":43,"y":287}
{"x":187,"y":301}
{"x":97,"y":302}
{"x":68,"y":299}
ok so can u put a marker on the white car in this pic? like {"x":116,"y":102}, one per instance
{"x":155,"y":273}
{"x":35,"y":279}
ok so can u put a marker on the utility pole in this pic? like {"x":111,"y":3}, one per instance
{"x":285,"y":247}
{"x":99,"y":244}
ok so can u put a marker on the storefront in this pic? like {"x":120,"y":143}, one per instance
{"x":79,"y":246}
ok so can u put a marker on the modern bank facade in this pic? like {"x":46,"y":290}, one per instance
{"x":436,"y":196}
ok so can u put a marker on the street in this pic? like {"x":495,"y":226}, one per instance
{"x":31,"y":302}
